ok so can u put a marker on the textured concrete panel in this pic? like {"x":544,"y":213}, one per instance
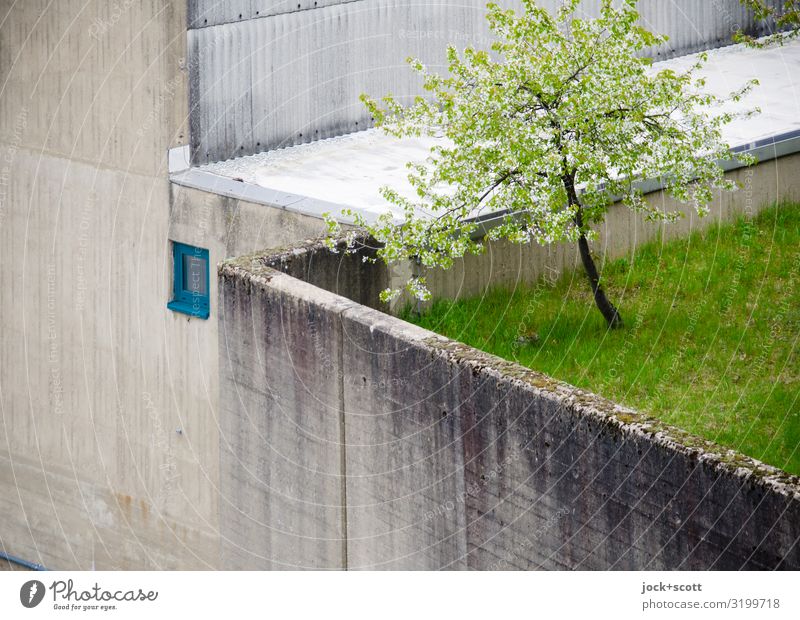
{"x":204,"y":13}
{"x":452,"y":458}
{"x":345,"y":274}
{"x":232,"y":227}
{"x":281,"y":504}
{"x":109,"y":401}
{"x":99,"y":82}
{"x":89,"y":361}
{"x":295,"y":77}
{"x":404,"y":453}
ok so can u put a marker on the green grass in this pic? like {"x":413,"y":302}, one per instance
{"x":710,"y":337}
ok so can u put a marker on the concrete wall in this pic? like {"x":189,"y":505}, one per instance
{"x":352,"y":439}
{"x":281,"y":494}
{"x":231,"y":227}
{"x":96,"y":375}
{"x":506,"y":264}
{"x":341,"y":272}
{"x":271,"y":74}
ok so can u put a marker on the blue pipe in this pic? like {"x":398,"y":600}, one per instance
{"x":15,"y":560}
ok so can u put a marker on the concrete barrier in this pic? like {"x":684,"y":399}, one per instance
{"x":351,"y":439}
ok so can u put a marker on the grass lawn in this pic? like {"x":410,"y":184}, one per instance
{"x":709,"y":342}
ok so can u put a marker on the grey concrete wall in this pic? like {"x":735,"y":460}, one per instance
{"x":281,"y":489}
{"x":231,"y":227}
{"x":506,"y":264}
{"x":272,"y":74}
{"x":452,"y":458}
{"x":342,"y":272}
{"x":96,"y":374}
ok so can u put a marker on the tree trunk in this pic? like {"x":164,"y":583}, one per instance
{"x":609,"y":312}
{"x":607,"y":309}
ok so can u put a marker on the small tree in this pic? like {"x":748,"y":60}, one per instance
{"x":564,"y":117}
{"x":785,"y":17}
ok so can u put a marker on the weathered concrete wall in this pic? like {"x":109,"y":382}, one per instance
{"x":231,"y":227}
{"x":228,"y":227}
{"x":96,"y":374}
{"x":282,"y":480}
{"x":341,"y":272}
{"x":270,"y":74}
{"x":452,"y":458}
